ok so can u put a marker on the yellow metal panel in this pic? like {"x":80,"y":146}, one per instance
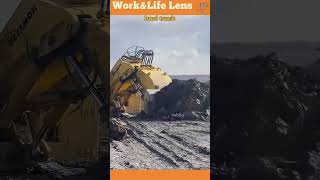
{"x":74,"y":144}
{"x":49,"y":78}
{"x":134,"y":105}
{"x":153,"y":78}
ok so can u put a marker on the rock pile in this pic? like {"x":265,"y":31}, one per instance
{"x":182,"y":99}
{"x":265,"y":120}
{"x":118,"y":129}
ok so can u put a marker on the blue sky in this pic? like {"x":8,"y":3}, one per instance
{"x":181,"y":47}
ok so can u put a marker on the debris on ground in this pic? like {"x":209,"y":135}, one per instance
{"x":118,"y":129}
{"x":265,"y":120}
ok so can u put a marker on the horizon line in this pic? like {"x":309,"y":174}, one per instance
{"x":248,"y":42}
{"x":189,"y":74}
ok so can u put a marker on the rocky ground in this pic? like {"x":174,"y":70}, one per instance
{"x":51,"y":170}
{"x":266,"y":120}
{"x":158,"y":144}
{"x":174,"y":134}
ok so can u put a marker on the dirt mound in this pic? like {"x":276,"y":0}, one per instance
{"x":182,"y":99}
{"x":265,"y":120}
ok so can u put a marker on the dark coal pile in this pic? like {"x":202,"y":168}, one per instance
{"x":266,"y":122}
{"x":182,"y":99}
{"x":314,"y":70}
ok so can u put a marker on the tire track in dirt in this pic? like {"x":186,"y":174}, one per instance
{"x":173,"y":149}
{"x":199,"y":149}
{"x":154,"y":149}
{"x":150,"y":146}
{"x":176,"y":141}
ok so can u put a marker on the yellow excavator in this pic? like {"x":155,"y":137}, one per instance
{"x":55,"y":55}
{"x":134,"y":79}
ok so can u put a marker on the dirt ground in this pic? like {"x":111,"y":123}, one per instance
{"x":183,"y":144}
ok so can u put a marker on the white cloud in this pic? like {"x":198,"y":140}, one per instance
{"x":176,"y":53}
{"x":195,"y":52}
